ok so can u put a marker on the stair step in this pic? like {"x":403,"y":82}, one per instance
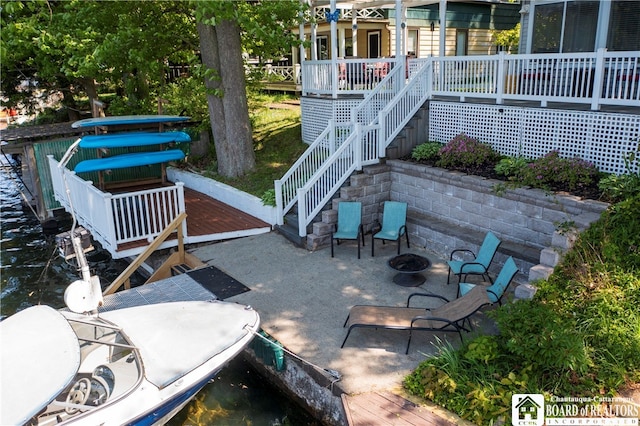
{"x":180,"y":269}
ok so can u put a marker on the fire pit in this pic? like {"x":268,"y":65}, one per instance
{"x":409,"y":267}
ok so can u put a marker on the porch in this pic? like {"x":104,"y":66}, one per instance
{"x":522,"y":105}
{"x":125,"y":222}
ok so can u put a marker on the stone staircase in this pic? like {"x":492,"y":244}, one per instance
{"x":551,"y":256}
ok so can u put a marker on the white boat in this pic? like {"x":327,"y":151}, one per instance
{"x":131,"y":366}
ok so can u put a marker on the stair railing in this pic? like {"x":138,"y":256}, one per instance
{"x":397,"y":113}
{"x":343,"y":148}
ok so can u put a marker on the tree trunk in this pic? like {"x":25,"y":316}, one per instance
{"x":228,"y":110}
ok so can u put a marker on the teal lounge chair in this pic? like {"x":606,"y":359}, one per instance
{"x":349,"y":226}
{"x":394,"y":224}
{"x":479,"y":265}
{"x":497,"y":289}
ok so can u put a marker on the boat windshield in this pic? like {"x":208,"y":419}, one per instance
{"x":109,"y":369}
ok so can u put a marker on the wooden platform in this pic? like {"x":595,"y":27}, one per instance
{"x":385,"y":408}
{"x":208,"y":217}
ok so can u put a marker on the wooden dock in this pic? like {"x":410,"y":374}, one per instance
{"x":385,"y":408}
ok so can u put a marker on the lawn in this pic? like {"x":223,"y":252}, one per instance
{"x":277,"y":143}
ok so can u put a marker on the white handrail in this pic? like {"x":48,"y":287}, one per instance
{"x":121,"y":218}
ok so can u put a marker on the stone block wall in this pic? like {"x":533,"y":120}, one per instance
{"x":449,"y":210}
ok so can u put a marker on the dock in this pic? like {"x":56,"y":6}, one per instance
{"x":388,"y":409}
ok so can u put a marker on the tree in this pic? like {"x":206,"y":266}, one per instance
{"x":220,"y":26}
{"x":74,"y":46}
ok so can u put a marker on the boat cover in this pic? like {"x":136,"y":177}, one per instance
{"x":123,"y":140}
{"x":40,"y":356}
{"x":128,"y":160}
{"x":175,"y":338}
{"x":122,"y":120}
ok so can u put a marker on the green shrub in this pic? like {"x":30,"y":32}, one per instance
{"x":579,"y":336}
{"x":427,"y":151}
{"x":552,"y":170}
{"x":511,"y":167}
{"x":466,"y":153}
{"x":619,"y":187}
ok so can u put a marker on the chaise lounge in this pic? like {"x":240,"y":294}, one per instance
{"x":449,"y":317}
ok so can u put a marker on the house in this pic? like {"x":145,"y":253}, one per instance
{"x":370,"y":32}
{"x":576,"y":100}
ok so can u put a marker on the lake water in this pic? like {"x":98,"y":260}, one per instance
{"x":32,"y":272}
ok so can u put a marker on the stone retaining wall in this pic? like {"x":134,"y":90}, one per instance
{"x":449,"y":210}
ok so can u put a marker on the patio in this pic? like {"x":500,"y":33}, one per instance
{"x":304,"y":297}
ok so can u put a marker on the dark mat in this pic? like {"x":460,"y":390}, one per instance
{"x":217,"y":282}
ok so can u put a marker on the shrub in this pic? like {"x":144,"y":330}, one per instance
{"x":511,"y":167}
{"x":619,"y":187}
{"x":466,"y":153}
{"x":427,"y":151}
{"x":553,"y":170}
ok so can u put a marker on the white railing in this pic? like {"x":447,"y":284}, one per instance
{"x":309,"y":162}
{"x":369,"y":13}
{"x":594,"y":78}
{"x":121,"y":218}
{"x":282,"y":73}
{"x":373,"y":125}
{"x":347,"y":76}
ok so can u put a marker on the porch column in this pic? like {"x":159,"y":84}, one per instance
{"x":354,"y":31}
{"x":314,"y":38}
{"x":333,"y":19}
{"x":443,"y":27}
{"x":341,"y":39}
{"x":400,"y":53}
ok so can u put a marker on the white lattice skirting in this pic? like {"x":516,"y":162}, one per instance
{"x":599,"y":137}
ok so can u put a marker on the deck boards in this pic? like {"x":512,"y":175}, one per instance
{"x":208,"y":216}
{"x":385,"y":408}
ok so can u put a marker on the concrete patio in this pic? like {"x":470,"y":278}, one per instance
{"x":304,"y":297}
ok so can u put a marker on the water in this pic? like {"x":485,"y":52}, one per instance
{"x":32,"y":273}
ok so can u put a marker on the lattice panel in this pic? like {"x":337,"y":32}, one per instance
{"x":601,"y":138}
{"x":316,"y":113}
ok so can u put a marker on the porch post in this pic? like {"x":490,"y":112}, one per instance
{"x":333,"y":18}
{"x":354,"y":31}
{"x":443,"y":27}
{"x":314,"y":38}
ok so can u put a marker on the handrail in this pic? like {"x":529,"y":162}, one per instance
{"x":115,"y":219}
{"x":365,"y":144}
{"x":123,"y":278}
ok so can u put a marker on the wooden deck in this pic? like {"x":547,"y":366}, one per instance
{"x":385,"y":408}
{"x":209,"y":219}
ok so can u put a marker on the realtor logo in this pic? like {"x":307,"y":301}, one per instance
{"x":527,"y":409}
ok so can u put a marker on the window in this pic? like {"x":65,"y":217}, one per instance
{"x":624,"y":26}
{"x":322,"y":44}
{"x":579,"y":20}
{"x":580,"y":26}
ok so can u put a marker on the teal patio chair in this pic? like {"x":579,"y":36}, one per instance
{"x":394,"y":224}
{"x":349,"y":226}
{"x":479,"y":265}
{"x":500,"y":285}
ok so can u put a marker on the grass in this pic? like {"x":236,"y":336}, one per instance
{"x":277,"y":142}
